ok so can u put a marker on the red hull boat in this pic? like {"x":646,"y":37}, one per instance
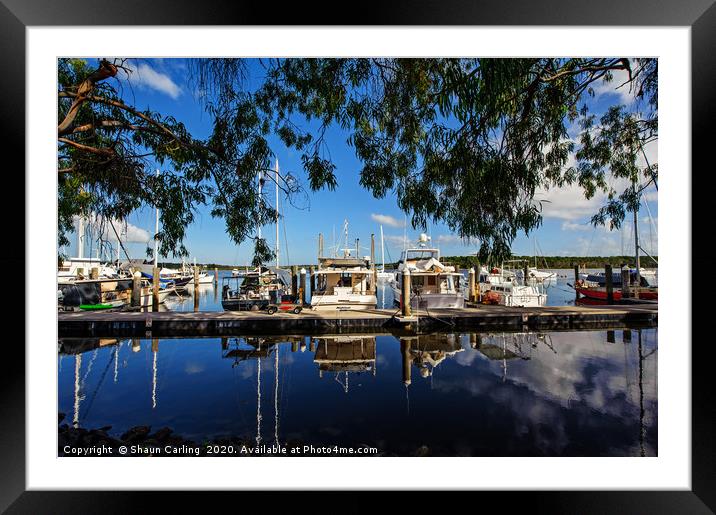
{"x":601,"y":293}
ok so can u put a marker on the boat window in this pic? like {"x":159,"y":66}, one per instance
{"x":431,"y":280}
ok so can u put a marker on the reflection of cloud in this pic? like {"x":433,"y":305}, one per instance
{"x":194,"y":368}
{"x":588,"y":385}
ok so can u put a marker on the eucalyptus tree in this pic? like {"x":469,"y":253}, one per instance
{"x":467,"y":142}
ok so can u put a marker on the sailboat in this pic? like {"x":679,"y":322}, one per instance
{"x":382,"y":274}
{"x":255,"y":289}
{"x":593,"y":287}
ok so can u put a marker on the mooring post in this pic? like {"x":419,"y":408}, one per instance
{"x":405,"y":297}
{"x":216,"y":276}
{"x":302,"y":290}
{"x":609,"y":283}
{"x":137,"y":289}
{"x":610,"y":337}
{"x":155,"y":288}
{"x":196,"y":288}
{"x":94,"y":273}
{"x":312,"y":271}
{"x":576,"y":280}
{"x":405,"y":352}
{"x":626,"y":293}
{"x":294,"y":280}
{"x":626,"y":335}
{"x":312,"y":345}
{"x":478,"y":269}
{"x":525,"y":274}
{"x":136,"y":346}
{"x":471,"y":285}
{"x":294,"y":345}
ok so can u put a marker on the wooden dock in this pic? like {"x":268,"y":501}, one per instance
{"x":228,"y":323}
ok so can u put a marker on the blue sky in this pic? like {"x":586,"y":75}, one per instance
{"x":161,"y":85}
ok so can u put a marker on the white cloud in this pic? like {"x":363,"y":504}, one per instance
{"x":387,"y":220}
{"x":449,"y":238}
{"x":619,"y":77}
{"x":571,"y":226}
{"x":146,"y":76}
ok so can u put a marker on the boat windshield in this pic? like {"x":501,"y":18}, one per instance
{"x":420,"y":254}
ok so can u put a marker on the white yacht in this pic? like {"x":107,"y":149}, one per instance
{"x":432,"y":284}
{"x":344,"y":283}
{"x":504,"y":287}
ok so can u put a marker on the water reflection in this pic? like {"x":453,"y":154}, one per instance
{"x":560,"y":393}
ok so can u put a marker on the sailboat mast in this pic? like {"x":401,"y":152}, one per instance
{"x":259,"y":224}
{"x":80,"y":237}
{"x":156,"y":231}
{"x":636,"y":246}
{"x":277,"y":244}
{"x":382,"y":249}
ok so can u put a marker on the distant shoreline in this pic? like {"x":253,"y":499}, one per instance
{"x":548,"y":262}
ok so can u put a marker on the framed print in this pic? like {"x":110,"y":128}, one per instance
{"x":429,"y":237}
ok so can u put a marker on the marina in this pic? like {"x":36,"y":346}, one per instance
{"x":215,"y":297}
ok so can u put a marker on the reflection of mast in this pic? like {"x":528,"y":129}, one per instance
{"x":642,"y":429}
{"x":155,"y":351}
{"x":258,"y":391}
{"x":116,"y":360}
{"x":275,"y":393}
{"x":78,"y":366}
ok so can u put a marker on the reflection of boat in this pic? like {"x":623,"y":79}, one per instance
{"x":345,"y":354}
{"x":429,"y":351}
{"x":432,"y":284}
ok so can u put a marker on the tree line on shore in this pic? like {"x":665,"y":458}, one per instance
{"x":553,"y":262}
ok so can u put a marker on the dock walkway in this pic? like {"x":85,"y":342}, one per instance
{"x":224,"y":323}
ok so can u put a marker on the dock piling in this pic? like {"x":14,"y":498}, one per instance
{"x":294,"y":280}
{"x":576,"y":280}
{"x":94,"y":273}
{"x":155,"y":288}
{"x":405,"y":297}
{"x":312,"y":272}
{"x":216,"y":276}
{"x":626,"y":293}
{"x":196,"y":289}
{"x":137,"y":289}
{"x":609,"y":283}
{"x":471,"y":285}
{"x":302,"y":289}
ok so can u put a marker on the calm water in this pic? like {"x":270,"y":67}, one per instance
{"x":589,"y":393}
{"x":558,"y":294}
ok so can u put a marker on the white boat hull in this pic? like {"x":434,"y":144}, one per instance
{"x":432,"y":300}
{"x":353,"y":302}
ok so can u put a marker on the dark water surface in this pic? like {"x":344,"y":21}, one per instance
{"x":587,"y":393}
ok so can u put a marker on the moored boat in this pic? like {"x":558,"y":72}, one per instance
{"x":433,"y":284}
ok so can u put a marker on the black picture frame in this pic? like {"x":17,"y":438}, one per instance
{"x":700,"y":15}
